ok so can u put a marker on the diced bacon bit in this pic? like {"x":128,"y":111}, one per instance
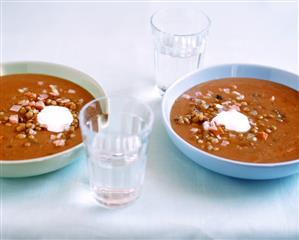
{"x":22,"y":90}
{"x":15,"y":108}
{"x":65,"y":100}
{"x":224,"y":143}
{"x":236,"y":93}
{"x":205,"y":105}
{"x":272,"y":99}
{"x":234,"y":86}
{"x":32,"y":132}
{"x":24,"y":102}
{"x":186,"y":96}
{"x":234,"y":107}
{"x":14,"y":119}
{"x":32,"y":104}
{"x":39,"y":105}
{"x":219,"y":106}
{"x":54,"y":90}
{"x":262,"y":135}
{"x":197,"y":100}
{"x":226,"y":90}
{"x":43,"y":96}
{"x":240,"y":97}
{"x":54,"y":93}
{"x":71,"y":91}
{"x":226,"y":102}
{"x":206,"y":125}
{"x":52,"y":87}
{"x":209,"y":126}
{"x":40,"y":83}
{"x":198,"y":94}
{"x":30,"y":94}
{"x":52,"y":137}
{"x":208,"y":95}
{"x":194,"y":130}
{"x":44,"y":91}
{"x":59,"y":135}
{"x":59,"y":142}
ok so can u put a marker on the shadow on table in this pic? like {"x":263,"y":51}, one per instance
{"x":47,"y":184}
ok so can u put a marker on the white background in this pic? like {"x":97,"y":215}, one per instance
{"x":112,"y":43}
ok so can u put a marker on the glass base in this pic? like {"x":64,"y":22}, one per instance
{"x":115,"y":198}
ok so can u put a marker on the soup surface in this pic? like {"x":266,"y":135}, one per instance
{"x":272,"y":111}
{"x":22,"y":97}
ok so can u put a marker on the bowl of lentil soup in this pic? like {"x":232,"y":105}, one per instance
{"x":29,"y":147}
{"x":239,"y":120}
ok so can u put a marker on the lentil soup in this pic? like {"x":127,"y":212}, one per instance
{"x":23,"y":97}
{"x":270,"y":109}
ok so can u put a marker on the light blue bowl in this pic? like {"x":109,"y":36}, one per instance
{"x":219,"y":164}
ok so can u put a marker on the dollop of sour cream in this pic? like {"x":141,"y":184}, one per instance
{"x":55,"y":118}
{"x":232,"y":120}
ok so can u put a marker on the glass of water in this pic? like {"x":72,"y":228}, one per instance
{"x":115,"y":133}
{"x":179,"y":36}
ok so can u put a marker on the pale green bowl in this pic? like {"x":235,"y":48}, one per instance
{"x":37,"y":166}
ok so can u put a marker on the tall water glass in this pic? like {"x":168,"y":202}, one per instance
{"x":179,"y":36}
{"x":115,"y":133}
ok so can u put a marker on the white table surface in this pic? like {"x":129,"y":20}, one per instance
{"x":181,"y":200}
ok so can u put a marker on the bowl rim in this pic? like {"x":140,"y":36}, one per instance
{"x":159,"y":30}
{"x":222,"y":159}
{"x":74,"y":148}
{"x":144,"y":132}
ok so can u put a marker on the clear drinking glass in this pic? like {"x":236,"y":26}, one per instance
{"x":179,"y":36}
{"x":115,"y":133}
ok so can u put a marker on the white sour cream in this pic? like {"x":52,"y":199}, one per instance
{"x":232,"y":120}
{"x":55,"y":118}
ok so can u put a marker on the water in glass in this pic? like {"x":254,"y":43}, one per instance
{"x":117,"y":168}
{"x":170,"y":67}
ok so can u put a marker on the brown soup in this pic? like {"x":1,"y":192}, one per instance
{"x":272,"y":111}
{"x":22,"y":97}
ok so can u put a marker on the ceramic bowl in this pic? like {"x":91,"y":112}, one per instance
{"x":37,"y":166}
{"x":218,"y":164}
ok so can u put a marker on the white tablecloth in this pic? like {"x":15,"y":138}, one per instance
{"x":181,"y":200}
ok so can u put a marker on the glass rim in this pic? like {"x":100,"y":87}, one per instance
{"x":148,"y":124}
{"x":206,"y":28}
